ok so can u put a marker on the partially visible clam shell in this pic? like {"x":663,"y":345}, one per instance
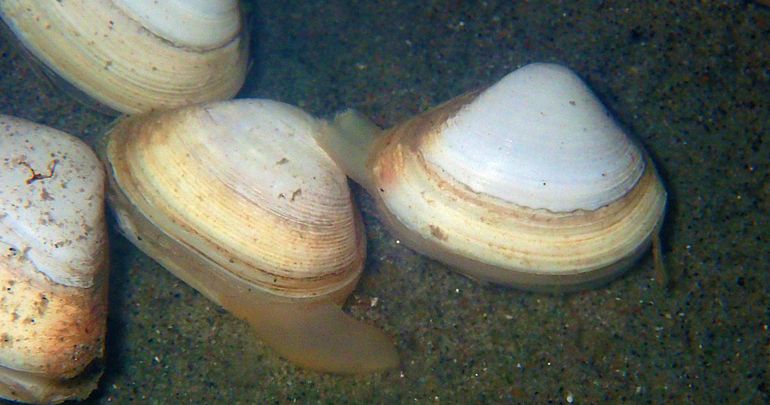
{"x":236,"y":199}
{"x":53,"y":264}
{"x":195,"y":24}
{"x":136,"y":55}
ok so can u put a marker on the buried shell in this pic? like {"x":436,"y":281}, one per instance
{"x":236,"y":199}
{"x":528,"y":183}
{"x":53,"y":264}
{"x":135,"y":55}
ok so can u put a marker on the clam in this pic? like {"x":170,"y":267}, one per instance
{"x":236,"y":199}
{"x":527,"y":183}
{"x":135,"y":55}
{"x":53,"y":264}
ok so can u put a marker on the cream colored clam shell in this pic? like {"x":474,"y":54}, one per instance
{"x":236,"y":199}
{"x":134,"y":55}
{"x":244,"y":184}
{"x":53,"y":263}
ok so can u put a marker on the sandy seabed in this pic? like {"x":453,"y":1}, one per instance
{"x":692,"y":82}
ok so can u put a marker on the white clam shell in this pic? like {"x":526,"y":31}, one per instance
{"x":134,"y":55}
{"x":56,"y":220}
{"x":200,"y":24}
{"x":528,"y":183}
{"x":53,"y":263}
{"x":538,"y":138}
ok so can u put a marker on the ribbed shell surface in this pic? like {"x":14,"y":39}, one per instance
{"x":187,"y":53}
{"x":486,"y":229}
{"x":244,"y":184}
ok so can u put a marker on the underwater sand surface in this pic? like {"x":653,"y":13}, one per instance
{"x":692,"y":82}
